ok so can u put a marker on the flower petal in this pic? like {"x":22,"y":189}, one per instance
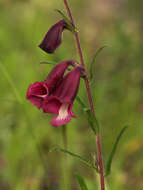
{"x":68,"y":88}
{"x":36,"y":93}
{"x":36,"y":101}
{"x":64,"y":115}
{"x":51,"y":105}
{"x":58,"y":122}
{"x":37,"y":89}
{"x":56,"y":75}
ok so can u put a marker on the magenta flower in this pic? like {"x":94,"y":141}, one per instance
{"x":61,"y":100}
{"x":38,"y":91}
{"x":53,"y":38}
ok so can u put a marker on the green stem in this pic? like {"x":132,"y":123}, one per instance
{"x":64,"y":135}
{"x":65,"y":169}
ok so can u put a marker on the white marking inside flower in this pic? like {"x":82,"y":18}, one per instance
{"x":63,"y":111}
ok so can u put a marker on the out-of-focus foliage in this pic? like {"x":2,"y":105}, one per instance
{"x":118,"y":94}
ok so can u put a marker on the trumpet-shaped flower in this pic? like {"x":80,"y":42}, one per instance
{"x":38,"y":91}
{"x":61,"y":100}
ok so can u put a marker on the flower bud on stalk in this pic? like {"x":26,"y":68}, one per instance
{"x":53,"y":38}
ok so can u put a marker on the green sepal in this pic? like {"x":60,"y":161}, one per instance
{"x":69,"y":25}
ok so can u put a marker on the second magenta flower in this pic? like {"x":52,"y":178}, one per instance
{"x":61,"y":100}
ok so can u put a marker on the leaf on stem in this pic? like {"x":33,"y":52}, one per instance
{"x":91,"y":118}
{"x":81,"y":182}
{"x":93,"y":63}
{"x":81,"y":102}
{"x":69,"y":24}
{"x":109,"y":162}
{"x":83,"y":160}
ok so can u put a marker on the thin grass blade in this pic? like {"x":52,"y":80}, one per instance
{"x":29,"y":127}
{"x":10,"y":81}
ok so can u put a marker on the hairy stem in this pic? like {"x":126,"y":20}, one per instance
{"x":98,"y":144}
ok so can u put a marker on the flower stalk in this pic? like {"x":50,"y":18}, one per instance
{"x":98,"y":143}
{"x":64,"y":135}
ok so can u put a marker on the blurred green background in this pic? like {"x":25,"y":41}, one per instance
{"x":25,"y":133}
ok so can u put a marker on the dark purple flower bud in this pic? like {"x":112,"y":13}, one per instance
{"x":53,"y":38}
{"x":61,"y":101}
{"x":38,"y":91}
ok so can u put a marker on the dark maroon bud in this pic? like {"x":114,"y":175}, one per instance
{"x":53,"y":38}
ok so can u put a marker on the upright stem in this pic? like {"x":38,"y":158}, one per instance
{"x":80,"y":55}
{"x":100,"y":162}
{"x":98,"y":144}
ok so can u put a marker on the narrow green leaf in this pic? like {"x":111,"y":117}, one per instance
{"x":109,"y":162}
{"x":91,"y":120}
{"x":81,"y":102}
{"x":89,"y":115}
{"x":81,"y":182}
{"x":83,"y":160}
{"x":69,"y":24}
{"x":93,"y":61}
